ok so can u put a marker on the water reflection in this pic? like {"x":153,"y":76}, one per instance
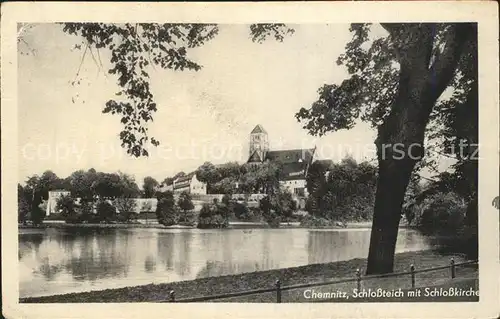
{"x":335,"y":245}
{"x":72,"y":260}
{"x":165,"y":250}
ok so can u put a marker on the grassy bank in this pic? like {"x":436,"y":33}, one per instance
{"x":266,"y":279}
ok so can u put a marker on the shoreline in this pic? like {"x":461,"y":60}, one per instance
{"x":232,"y":225}
{"x":156,"y":292}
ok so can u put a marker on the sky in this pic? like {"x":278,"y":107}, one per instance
{"x":202,"y":116}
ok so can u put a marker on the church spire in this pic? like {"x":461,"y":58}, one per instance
{"x":259,"y":144}
{"x":258,"y":129}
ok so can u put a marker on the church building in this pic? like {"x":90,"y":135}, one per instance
{"x":295,"y":162}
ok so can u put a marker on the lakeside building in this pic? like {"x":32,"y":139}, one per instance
{"x":190,"y":184}
{"x":187,"y":183}
{"x":295,"y":162}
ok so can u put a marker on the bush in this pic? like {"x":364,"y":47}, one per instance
{"x":166,"y":212}
{"x":126,"y":206}
{"x":444,"y":215}
{"x":66,"y":205}
{"x":86,"y":212}
{"x":316,"y":222}
{"x":241,"y":211}
{"x":106,"y":212}
{"x":36,"y":215}
{"x":185,"y":202}
{"x":277,"y":207}
{"x":213,"y":216}
{"x":23,"y":209}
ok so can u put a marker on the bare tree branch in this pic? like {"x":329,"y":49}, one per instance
{"x":81,"y":62}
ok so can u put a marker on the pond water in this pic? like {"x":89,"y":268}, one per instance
{"x":56,"y":261}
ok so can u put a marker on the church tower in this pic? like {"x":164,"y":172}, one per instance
{"x":259,"y":144}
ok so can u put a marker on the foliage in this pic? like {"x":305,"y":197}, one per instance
{"x":128,"y":186}
{"x":36,"y":215}
{"x":232,"y":178}
{"x":106,"y":212}
{"x":213,"y":216}
{"x":29,"y":201}
{"x":86,"y":185}
{"x":227,"y":199}
{"x":166,"y":211}
{"x":185,"y":202}
{"x":86,"y":211}
{"x":126,"y":207}
{"x":311,"y":221}
{"x":23,"y":206}
{"x":39,"y":186}
{"x":135,"y":49}
{"x":260,"y":32}
{"x":371,"y":90}
{"x":443,"y":214}
{"x":392,"y":78}
{"x":395,"y":84}
{"x":167,"y":181}
{"x":446,"y":218}
{"x":107,"y":185}
{"x":150,"y":186}
{"x":82,"y":184}
{"x":66,"y":205}
{"x":241,"y":211}
{"x":277,"y":206}
{"x":343,"y":191}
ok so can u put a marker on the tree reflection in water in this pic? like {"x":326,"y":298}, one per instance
{"x":183,"y":266}
{"x":332,"y":245}
{"x":150,"y":264}
{"x":165,"y":246}
{"x":69,"y":260}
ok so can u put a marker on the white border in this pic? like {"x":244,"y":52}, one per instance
{"x":485,"y":13}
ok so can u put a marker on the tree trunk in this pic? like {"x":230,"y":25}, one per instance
{"x":393,"y":179}
{"x":400,"y":140}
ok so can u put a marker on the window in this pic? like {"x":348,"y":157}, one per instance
{"x":299,"y":191}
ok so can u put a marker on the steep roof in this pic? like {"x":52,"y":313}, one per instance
{"x":291,"y":156}
{"x":258,"y":129}
{"x":293,"y":171}
{"x":185,"y":177}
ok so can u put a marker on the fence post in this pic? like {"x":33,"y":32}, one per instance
{"x":412,"y":270}
{"x":358,"y":279}
{"x":172,"y":296}
{"x":278,"y":291}
{"x":452,"y":266}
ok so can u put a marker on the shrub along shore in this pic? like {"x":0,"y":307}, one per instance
{"x":266,"y":279}
{"x":232,"y":225}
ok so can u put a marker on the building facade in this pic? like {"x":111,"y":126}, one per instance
{"x":295,"y":162}
{"x":190,"y":184}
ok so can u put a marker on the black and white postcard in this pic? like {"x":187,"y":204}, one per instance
{"x":260,"y":160}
